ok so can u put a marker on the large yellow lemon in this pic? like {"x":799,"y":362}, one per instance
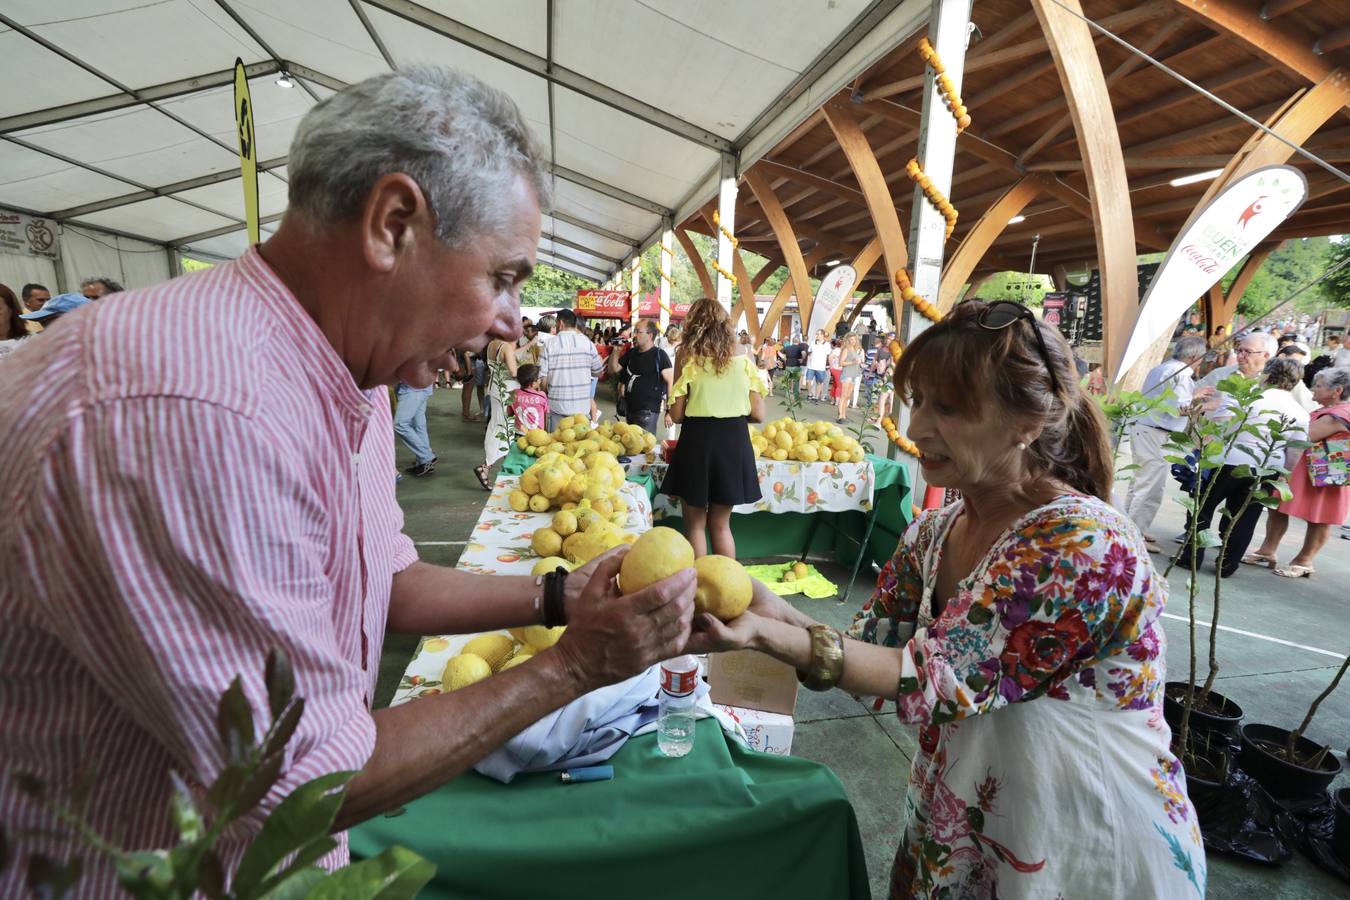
{"x":538,"y":437}
{"x":564,"y":523}
{"x":549,"y":564}
{"x":724,"y":587}
{"x":656,"y":554}
{"x":519,"y":500}
{"x":464,"y":670}
{"x":541,"y":638}
{"x":546,"y":542}
{"x":515,"y":661}
{"x":540,"y":503}
{"x":494,"y":649}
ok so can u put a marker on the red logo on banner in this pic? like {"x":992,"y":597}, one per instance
{"x":649,"y":307}
{"x":604,"y":304}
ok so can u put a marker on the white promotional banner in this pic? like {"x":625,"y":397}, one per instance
{"x":27,"y":236}
{"x":1235,"y":221}
{"x":834,"y":287}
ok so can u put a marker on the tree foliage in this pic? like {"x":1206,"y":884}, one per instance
{"x":551,"y":286}
{"x":1336,"y":289}
{"x":1296,"y":263}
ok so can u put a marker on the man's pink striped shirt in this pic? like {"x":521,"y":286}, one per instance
{"x":190,"y":477}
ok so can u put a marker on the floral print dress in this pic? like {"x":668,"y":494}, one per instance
{"x":1043,"y":767}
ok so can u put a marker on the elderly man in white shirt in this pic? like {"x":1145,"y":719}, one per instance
{"x":1230,"y":489}
{"x":1150,"y":432}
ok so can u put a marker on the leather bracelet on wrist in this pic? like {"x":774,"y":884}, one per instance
{"x":554,"y":604}
{"x":827,"y":658}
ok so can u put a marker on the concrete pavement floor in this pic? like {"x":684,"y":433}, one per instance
{"x":1289,"y":640}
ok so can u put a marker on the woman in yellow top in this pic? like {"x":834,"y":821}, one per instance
{"x":717,"y":392}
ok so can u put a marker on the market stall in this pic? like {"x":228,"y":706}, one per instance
{"x":658,"y":819}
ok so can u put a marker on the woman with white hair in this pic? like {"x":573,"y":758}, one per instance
{"x":1322,"y":506}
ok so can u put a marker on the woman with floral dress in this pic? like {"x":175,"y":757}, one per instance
{"x":1018,"y":629}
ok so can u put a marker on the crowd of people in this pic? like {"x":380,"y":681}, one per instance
{"x":235,"y":495}
{"x":34,"y":308}
{"x":1305,"y":397}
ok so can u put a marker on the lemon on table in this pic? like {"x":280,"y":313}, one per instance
{"x":464,"y":670}
{"x":494,"y":649}
{"x":540,"y":503}
{"x":724,"y":587}
{"x":515,"y":661}
{"x":656,"y":554}
{"x":539,"y":637}
{"x":549,"y":564}
{"x":546,"y":542}
{"x":519,"y":500}
{"x":564,"y":523}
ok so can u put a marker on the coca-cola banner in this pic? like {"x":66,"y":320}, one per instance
{"x":1237,"y":219}
{"x":603,"y":304}
{"x":649,"y":307}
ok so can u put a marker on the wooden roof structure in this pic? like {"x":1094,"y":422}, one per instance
{"x":1283,"y":62}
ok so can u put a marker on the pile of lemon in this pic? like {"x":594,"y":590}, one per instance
{"x":580,"y":534}
{"x":496,"y":652}
{"x":806,"y":442}
{"x":563,"y":482}
{"x":574,"y":436}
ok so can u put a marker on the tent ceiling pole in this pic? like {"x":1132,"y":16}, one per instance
{"x":608,"y":190}
{"x":164,"y":191}
{"x":217,"y":232}
{"x":70,"y":161}
{"x":75,"y":60}
{"x":257,"y":39}
{"x":373,"y":34}
{"x":726,"y":210}
{"x":571,"y":260}
{"x":564,"y":242}
{"x":113,"y":102}
{"x":554,"y":74}
{"x":594,"y":229}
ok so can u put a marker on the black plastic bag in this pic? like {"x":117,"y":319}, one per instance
{"x":1309,"y":825}
{"x":1240,"y":818}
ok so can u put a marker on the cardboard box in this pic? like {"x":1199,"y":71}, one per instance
{"x":759,"y":692}
{"x":764,"y":731}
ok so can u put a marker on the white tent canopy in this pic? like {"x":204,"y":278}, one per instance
{"x":118,"y":114}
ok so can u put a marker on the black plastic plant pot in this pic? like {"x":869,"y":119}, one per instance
{"x":1284,"y":779}
{"x":1206,"y":773}
{"x":1222,"y":717}
{"x":1340,"y":839}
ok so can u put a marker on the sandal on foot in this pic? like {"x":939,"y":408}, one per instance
{"x":482,"y":473}
{"x":1258,"y":559}
{"x":1295,"y":572}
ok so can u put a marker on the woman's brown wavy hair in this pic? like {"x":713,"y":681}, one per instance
{"x":964,"y":365}
{"x":708,"y":334}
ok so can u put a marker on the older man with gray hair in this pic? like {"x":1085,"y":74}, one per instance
{"x":1150,"y":432}
{"x":224,"y":478}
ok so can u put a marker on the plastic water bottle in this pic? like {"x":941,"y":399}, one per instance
{"x":675,"y":727}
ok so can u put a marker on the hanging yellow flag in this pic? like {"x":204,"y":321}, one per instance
{"x":248,"y":148}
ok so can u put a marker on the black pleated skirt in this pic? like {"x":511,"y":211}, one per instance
{"x":713,"y":463}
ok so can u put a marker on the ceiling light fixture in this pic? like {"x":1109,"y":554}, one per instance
{"x":1015,"y":219}
{"x":833,"y":262}
{"x":284,"y":80}
{"x":1198,"y":176}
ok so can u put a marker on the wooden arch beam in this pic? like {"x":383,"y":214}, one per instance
{"x":787,"y":290}
{"x":1084,"y":85}
{"x":799,"y":276}
{"x":700,"y":267}
{"x":745,"y":291}
{"x":867,"y":171}
{"x":1242,"y":22}
{"x":1220,"y":309}
{"x":980,"y":238}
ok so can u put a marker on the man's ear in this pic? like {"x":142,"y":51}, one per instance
{"x":396,"y":212}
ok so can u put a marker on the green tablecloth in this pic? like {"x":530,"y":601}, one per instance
{"x":764,"y":534}
{"x":721,"y":822}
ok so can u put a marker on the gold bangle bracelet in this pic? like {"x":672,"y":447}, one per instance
{"x":827,"y":658}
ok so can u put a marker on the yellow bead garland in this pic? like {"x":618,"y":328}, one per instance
{"x":949,"y":95}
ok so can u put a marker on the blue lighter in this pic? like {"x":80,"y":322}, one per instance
{"x":591,"y":773}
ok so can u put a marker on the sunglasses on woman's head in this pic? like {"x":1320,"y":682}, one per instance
{"x":999,"y":314}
